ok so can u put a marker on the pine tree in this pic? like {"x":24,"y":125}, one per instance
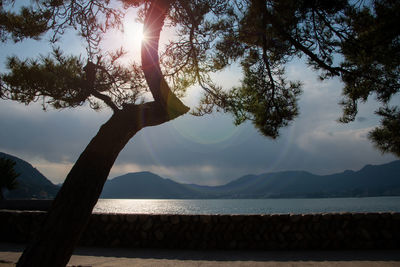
{"x":355,"y":41}
{"x":8,"y":176}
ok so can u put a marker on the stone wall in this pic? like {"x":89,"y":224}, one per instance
{"x":309,"y":231}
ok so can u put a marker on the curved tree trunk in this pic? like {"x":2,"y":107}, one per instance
{"x":74,"y":203}
{"x":71,"y":209}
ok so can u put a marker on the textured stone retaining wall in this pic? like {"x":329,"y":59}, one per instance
{"x":310,"y":231}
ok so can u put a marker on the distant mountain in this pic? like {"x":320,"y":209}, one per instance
{"x":31,"y":183}
{"x":372,"y":180}
{"x":146,"y":185}
{"x":379,"y":180}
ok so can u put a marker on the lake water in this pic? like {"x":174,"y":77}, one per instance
{"x":248,"y":206}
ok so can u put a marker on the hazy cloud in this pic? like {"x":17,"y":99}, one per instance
{"x":54,"y":135}
{"x":361,"y":119}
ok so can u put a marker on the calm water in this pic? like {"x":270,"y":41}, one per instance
{"x":247,"y":206}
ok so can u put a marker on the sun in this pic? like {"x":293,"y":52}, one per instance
{"x":133,"y":34}
{"x":130,"y":38}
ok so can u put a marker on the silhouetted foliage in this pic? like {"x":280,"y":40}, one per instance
{"x":8,"y":175}
{"x":28,"y":23}
{"x":357,"y":42}
{"x":386,"y":137}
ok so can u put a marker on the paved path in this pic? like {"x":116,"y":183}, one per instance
{"x":89,"y":256}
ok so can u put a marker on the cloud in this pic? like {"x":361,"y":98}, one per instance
{"x":362,"y":119}
{"x":205,"y":150}
{"x":316,"y":140}
{"x":56,"y":172}
{"x":54,"y":135}
{"x":198,"y":174}
{"x":180,"y":174}
{"x":339,"y":150}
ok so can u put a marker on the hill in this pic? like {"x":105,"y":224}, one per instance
{"x":31,"y":183}
{"x":145,"y":185}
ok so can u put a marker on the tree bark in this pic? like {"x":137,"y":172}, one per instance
{"x":73,"y":205}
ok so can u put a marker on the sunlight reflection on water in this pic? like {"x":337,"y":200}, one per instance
{"x":247,"y":206}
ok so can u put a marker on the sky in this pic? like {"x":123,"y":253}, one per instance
{"x":204,"y":150}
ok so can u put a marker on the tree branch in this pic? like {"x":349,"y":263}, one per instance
{"x":90,"y":71}
{"x":334,"y":70}
{"x":106,"y":99}
{"x":147,"y":114}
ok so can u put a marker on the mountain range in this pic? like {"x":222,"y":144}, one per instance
{"x":378,"y":180}
{"x":371,"y":180}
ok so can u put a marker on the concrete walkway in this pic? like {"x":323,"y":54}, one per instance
{"x":89,"y":256}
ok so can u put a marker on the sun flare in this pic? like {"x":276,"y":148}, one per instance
{"x":133,"y":34}
{"x":130,"y":39}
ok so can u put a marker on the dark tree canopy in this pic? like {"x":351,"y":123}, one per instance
{"x":8,"y":176}
{"x":355,"y":41}
{"x":386,"y":137}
